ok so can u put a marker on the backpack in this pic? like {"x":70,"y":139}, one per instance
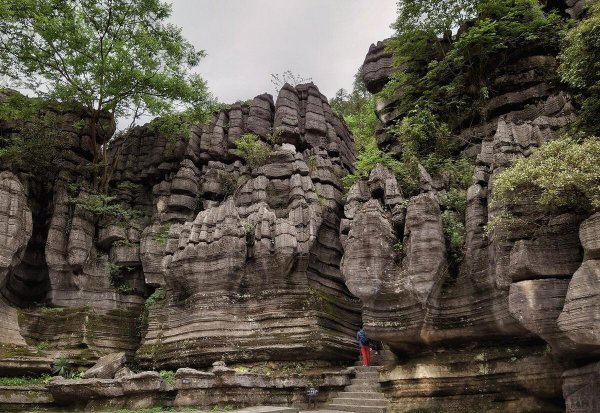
{"x":362,"y":337}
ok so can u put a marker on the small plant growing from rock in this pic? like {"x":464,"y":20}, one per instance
{"x":155,"y":297}
{"x":168,"y":376}
{"x":116,"y":274}
{"x":398,"y":247}
{"x":42,"y":346}
{"x":127,"y":185}
{"x":252,"y":150}
{"x":225,"y":408}
{"x":248,"y":228}
{"x":311,"y":162}
{"x":228,"y":182}
{"x":62,"y":367}
{"x":274,"y":136}
{"x":162,"y":235}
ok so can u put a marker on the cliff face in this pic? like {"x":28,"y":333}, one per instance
{"x":510,"y":321}
{"x":247,"y":258}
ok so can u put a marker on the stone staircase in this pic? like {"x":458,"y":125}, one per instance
{"x":363,"y":395}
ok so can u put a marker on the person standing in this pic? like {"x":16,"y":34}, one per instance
{"x":365,"y":350}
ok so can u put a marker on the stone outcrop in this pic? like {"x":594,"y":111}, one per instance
{"x":106,"y":367}
{"x":247,"y":256}
{"x":251,"y":265}
{"x":531,"y":284}
{"x":377,"y":67}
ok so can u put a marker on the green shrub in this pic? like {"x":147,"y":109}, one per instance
{"x":228,"y":182}
{"x":421,"y":134}
{"x":63,"y":367}
{"x":580,"y":69}
{"x":560,"y":176}
{"x":106,"y":206}
{"x":162,"y":235}
{"x":367,"y":159}
{"x":168,"y":376}
{"x":248,"y":228}
{"x":252,"y":150}
{"x":454,"y":235}
{"x":158,"y":295}
{"x":452,"y":76}
{"x":117,"y":278}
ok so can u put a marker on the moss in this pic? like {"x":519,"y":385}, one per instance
{"x":24,"y":381}
{"x":162,"y":235}
{"x":12,"y":351}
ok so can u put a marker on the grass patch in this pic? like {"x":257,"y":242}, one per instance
{"x":24,"y":381}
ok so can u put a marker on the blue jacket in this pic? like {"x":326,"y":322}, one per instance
{"x":361,"y":336}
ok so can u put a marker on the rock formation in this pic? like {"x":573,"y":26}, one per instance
{"x":244,"y":258}
{"x":524,"y":298}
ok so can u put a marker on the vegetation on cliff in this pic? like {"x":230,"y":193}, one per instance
{"x":580,"y":67}
{"x":561,"y":176}
{"x":452,"y":75}
{"x":116,"y":58}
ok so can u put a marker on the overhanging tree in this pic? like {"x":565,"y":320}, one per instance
{"x":115,"y":57}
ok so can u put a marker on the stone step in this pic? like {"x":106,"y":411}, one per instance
{"x":366,"y":368}
{"x":363,"y":387}
{"x":361,"y":395}
{"x":370,"y":374}
{"x":267,"y":409}
{"x":357,"y":409}
{"x":361,"y":380}
{"x":360,"y":402}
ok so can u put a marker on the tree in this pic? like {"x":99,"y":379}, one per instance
{"x":280,"y":79}
{"x":580,"y":67}
{"x":114,"y":57}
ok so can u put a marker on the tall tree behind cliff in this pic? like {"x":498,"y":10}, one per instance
{"x":115,"y":57}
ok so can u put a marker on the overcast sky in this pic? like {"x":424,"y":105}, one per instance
{"x":247,"y":40}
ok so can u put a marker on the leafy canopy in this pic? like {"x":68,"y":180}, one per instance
{"x":580,"y":67}
{"x":451,"y":76}
{"x":112,"y":56}
{"x":116,"y":55}
{"x":561,"y":175}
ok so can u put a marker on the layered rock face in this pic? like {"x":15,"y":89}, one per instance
{"x":250,"y":263}
{"x":245,"y":258}
{"x":515,"y":292}
{"x":55,"y":285}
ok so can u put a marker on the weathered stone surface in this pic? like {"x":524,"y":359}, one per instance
{"x":144,"y":382}
{"x":581,"y":388}
{"x":377,"y":67}
{"x":510,"y":286}
{"x":258,"y":250}
{"x":536,"y":304}
{"x":552,"y":255}
{"x":472,"y":379}
{"x":106,"y":367}
{"x":580,"y":316}
{"x":66,"y":391}
{"x":15,"y":223}
{"x":198,"y":388}
{"x":589,"y":233}
{"x":16,"y":397}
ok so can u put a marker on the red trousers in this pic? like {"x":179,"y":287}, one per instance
{"x":366,"y":355}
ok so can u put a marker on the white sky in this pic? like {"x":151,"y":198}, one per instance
{"x":247,"y":40}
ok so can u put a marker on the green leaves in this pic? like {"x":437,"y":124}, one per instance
{"x":252,"y":150}
{"x":561,"y":175}
{"x":115,"y":56}
{"x":447,"y":74}
{"x":580,"y":67}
